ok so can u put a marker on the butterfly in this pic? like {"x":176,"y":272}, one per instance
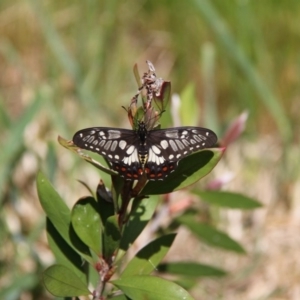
{"x":136,"y":153}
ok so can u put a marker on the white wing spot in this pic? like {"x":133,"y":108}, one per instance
{"x":117,"y":156}
{"x":171,"y":156}
{"x":134,"y":156}
{"x":122,"y":144}
{"x":109,"y":155}
{"x":114,"y":134}
{"x":172,"y":134}
{"x":164,"y":144}
{"x":92,"y":131}
{"x":90,"y":139}
{"x":197,"y":138}
{"x":101,"y":133}
{"x":185,"y":152}
{"x":184,"y":132}
{"x":80,"y":134}
{"x":103,"y":152}
{"x":203,"y":144}
{"x":85,"y":145}
{"x":125,"y":159}
{"x":97,"y":149}
{"x":178,"y":155}
{"x":195,"y":131}
{"x":102,"y":143}
{"x":151,"y":156}
{"x":107,"y":145}
{"x":173,"y":145}
{"x":114,"y":146}
{"x":179,"y":144}
{"x":156,"y":149}
{"x":91,"y":147}
{"x":157,"y":160}
{"x":186,"y":143}
{"x":130,"y":150}
{"x":161,"y":159}
{"x":207,"y":133}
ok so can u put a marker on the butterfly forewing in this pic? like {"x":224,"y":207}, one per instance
{"x":168,"y":146}
{"x":118,"y":146}
{"x":154,"y":152}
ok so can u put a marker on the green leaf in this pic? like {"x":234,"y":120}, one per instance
{"x":139,"y":217}
{"x":189,"y":109}
{"x":105,"y":202}
{"x":64,"y":254}
{"x":146,"y":260}
{"x":187,"y":282}
{"x":87,"y":224}
{"x":210,"y":235}
{"x":60,"y":216}
{"x":151,"y":288}
{"x":70,"y":146}
{"x":120,"y":297}
{"x":227,"y":199}
{"x":191,"y":269}
{"x":62,"y":282}
{"x":189,"y":170}
{"x":112,"y":237}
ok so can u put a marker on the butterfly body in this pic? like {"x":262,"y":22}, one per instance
{"x":135,"y":153}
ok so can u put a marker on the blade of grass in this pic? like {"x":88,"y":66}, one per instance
{"x":63,"y":56}
{"x":233,"y":50}
{"x":14,"y":140}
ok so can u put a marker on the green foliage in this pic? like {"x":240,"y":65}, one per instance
{"x":61,"y":73}
{"x":82,"y":232}
{"x":190,"y":169}
{"x":210,"y":235}
{"x":192,"y":269}
{"x":150,"y":287}
{"x":62,"y":282}
{"x":229,"y":200}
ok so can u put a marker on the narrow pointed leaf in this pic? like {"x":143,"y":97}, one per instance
{"x":189,"y":170}
{"x":64,"y":254}
{"x":87,"y":224}
{"x":151,"y":288}
{"x":138,"y":219}
{"x":70,"y":146}
{"x":112,"y":236}
{"x":62,"y":282}
{"x":146,"y":260}
{"x":211,"y":236}
{"x":227,"y":199}
{"x":60,"y":215}
{"x":105,"y":202}
{"x":190,"y":269}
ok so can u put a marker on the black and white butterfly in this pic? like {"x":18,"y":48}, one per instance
{"x":133,"y":153}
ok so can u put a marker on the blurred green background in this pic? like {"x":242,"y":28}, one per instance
{"x":66,"y":65}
